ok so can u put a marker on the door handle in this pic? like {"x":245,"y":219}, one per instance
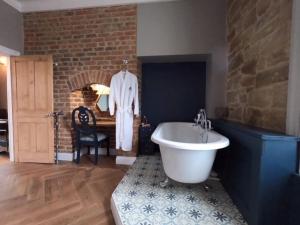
{"x":50,"y":114}
{"x":55,"y":114}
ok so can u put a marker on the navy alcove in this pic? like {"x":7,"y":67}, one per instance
{"x":255,"y":170}
{"x":173,"y":91}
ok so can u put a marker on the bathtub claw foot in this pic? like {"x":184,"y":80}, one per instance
{"x":164,"y":183}
{"x":207,"y":187}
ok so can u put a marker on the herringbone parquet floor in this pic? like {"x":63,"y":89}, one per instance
{"x":39,"y":194}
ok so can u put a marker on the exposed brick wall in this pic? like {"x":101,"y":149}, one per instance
{"x":82,"y":41}
{"x":82,"y":79}
{"x":259,"y":46}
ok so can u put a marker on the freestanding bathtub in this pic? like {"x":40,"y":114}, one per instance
{"x":187,"y":151}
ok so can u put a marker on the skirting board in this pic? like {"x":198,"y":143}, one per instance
{"x":115,"y":212}
{"x":120,"y":160}
{"x":70,"y":156}
{"x":125,"y":160}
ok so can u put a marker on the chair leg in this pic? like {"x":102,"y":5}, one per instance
{"x":78,"y":154}
{"x":108,"y":144}
{"x":96,"y":155}
{"x":89,"y":150}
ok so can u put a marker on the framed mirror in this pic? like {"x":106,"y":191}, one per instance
{"x":103,"y":92}
{"x":102,"y":103}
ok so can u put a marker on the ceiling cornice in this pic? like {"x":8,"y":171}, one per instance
{"x":15,"y":4}
{"x":51,"y":5}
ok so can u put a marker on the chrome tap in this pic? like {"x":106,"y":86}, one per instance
{"x":202,"y":120}
{"x":202,"y":117}
{"x":197,"y":119}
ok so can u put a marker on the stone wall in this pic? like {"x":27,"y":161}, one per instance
{"x":259,"y":45}
{"x":87,"y":45}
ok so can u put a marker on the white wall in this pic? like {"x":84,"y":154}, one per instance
{"x":293,"y":106}
{"x":3,"y":89}
{"x":11,"y":27}
{"x":188,"y":27}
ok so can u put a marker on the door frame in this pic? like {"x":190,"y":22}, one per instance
{"x":8,"y":52}
{"x":293,"y":108}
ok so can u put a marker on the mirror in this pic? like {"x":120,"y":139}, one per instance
{"x":102,"y":103}
{"x":103,"y":92}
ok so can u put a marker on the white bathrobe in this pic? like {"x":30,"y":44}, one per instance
{"x":123,"y":93}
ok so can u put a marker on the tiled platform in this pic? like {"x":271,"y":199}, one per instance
{"x":139,"y":200}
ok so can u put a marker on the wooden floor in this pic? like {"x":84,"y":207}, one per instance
{"x":67,"y":194}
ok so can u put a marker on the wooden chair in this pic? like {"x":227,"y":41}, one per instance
{"x":84,"y":125}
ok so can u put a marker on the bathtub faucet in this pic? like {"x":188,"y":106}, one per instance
{"x":202,"y":120}
{"x":197,"y":119}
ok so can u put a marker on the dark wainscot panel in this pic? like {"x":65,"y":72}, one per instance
{"x":255,"y":170}
{"x":292,"y":204}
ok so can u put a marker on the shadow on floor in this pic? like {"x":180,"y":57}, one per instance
{"x":103,"y":162}
{"x":4,"y":157}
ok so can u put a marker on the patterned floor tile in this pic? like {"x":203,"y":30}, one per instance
{"x":141,"y":201}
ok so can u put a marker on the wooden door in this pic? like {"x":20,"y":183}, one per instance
{"x":32,"y":97}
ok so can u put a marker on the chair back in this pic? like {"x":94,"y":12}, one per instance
{"x":83,"y":120}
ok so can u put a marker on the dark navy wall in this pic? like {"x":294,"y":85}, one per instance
{"x":172,"y":91}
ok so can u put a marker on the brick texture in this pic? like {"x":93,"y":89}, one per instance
{"x":259,"y":45}
{"x":88,"y":46}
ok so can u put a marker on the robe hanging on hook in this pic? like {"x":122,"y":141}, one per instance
{"x":125,"y":64}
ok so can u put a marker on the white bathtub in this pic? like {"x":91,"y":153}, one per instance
{"x":185,"y":157}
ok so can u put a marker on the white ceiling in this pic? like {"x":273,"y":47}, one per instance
{"x":47,"y":5}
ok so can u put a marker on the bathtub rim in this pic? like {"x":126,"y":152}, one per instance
{"x":222,"y":143}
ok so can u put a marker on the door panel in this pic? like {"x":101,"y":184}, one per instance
{"x":32,"y":90}
{"x":41,"y":135}
{"x":24,"y":129}
{"x":25,"y":86}
{"x":41,"y":91}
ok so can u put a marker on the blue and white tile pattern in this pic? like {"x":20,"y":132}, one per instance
{"x":141,"y":201}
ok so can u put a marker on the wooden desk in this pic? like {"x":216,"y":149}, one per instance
{"x":108,"y":128}
{"x":105,"y":123}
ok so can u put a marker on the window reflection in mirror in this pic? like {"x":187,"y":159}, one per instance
{"x":103,"y":92}
{"x":102,"y":103}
